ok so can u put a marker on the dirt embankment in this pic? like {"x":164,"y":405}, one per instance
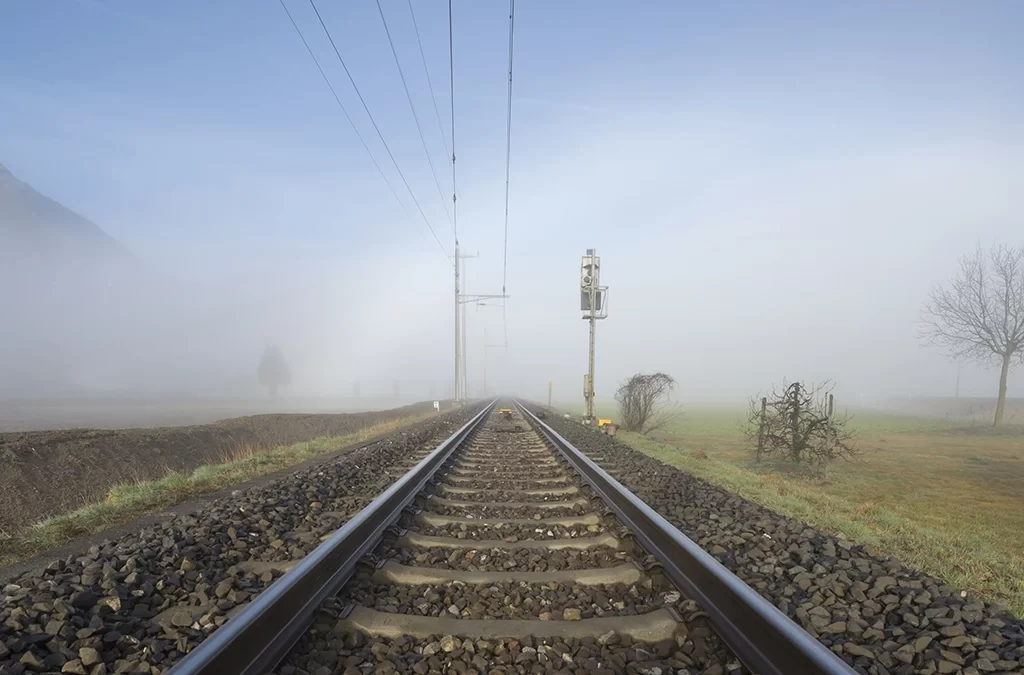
{"x":45,"y":473}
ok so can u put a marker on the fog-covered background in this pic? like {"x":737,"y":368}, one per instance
{"x":772,"y":189}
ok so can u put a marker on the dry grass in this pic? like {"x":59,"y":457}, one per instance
{"x":127,"y":502}
{"x":946,"y":501}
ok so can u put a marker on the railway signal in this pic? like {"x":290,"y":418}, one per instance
{"x":594,"y":304}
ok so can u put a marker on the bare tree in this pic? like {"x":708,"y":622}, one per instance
{"x":980,"y":315}
{"x":757,"y":427}
{"x":643,"y":400}
{"x":799,"y":424}
{"x":273,"y":371}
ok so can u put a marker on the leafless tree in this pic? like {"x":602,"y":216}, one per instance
{"x":273,"y":371}
{"x":757,"y":425}
{"x":643,"y":401}
{"x":980,"y":315}
{"x":799,"y":424}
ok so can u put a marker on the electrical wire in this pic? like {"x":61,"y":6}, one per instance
{"x":430,"y":85}
{"x":508,"y":162}
{"x":451,"y":88}
{"x":376,"y":128}
{"x":348,"y":117}
{"x":415,"y":117}
{"x":508,"y":136}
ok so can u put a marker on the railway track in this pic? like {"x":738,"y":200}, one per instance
{"x":508,"y":550}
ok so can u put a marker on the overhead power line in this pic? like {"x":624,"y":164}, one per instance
{"x":430,"y":85}
{"x":375,"y":127}
{"x":348,"y":117}
{"x":508,"y":157}
{"x":415,"y":117}
{"x":508,"y":134}
{"x":451,"y":89}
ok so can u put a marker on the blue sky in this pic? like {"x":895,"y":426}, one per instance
{"x":880,"y":138}
{"x":195,"y":99}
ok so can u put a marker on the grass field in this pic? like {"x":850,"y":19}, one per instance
{"x":941,"y":496}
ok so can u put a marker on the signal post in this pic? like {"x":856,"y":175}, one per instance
{"x":594,"y":304}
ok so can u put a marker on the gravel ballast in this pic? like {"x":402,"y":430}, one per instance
{"x":509,"y":533}
{"x":508,"y":511}
{"x":497,"y":560}
{"x":139,"y":603}
{"x":322,"y":652}
{"x":510,"y":600}
{"x":878,"y":615}
{"x":533,"y":575}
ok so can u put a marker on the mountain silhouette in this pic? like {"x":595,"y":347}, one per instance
{"x":35,"y":229}
{"x":65,"y":292}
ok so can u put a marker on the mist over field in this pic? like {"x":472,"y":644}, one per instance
{"x":781,"y":212}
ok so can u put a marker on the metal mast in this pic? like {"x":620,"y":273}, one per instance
{"x":455,"y":205}
{"x":458,"y":342}
{"x":594,"y":303}
{"x":461,"y":258}
{"x":465,"y":380}
{"x":465,"y":299}
{"x":590,"y":360}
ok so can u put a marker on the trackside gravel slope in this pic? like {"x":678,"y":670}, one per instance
{"x":45,"y":473}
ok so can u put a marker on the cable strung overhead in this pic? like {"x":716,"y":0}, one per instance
{"x":508,"y":160}
{"x":415,"y":117}
{"x":451,"y":88}
{"x":430,"y":85}
{"x":348,"y":117}
{"x":508,"y":135}
{"x":375,"y":127}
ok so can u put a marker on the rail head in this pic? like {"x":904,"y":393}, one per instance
{"x":256,"y":640}
{"x":767,"y":641}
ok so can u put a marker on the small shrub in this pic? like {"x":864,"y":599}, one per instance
{"x":642,"y":401}
{"x":799,"y":425}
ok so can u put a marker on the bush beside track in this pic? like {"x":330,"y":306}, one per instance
{"x":880,"y":616}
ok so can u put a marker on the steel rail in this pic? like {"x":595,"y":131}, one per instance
{"x":256,"y":640}
{"x":767,"y":641}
